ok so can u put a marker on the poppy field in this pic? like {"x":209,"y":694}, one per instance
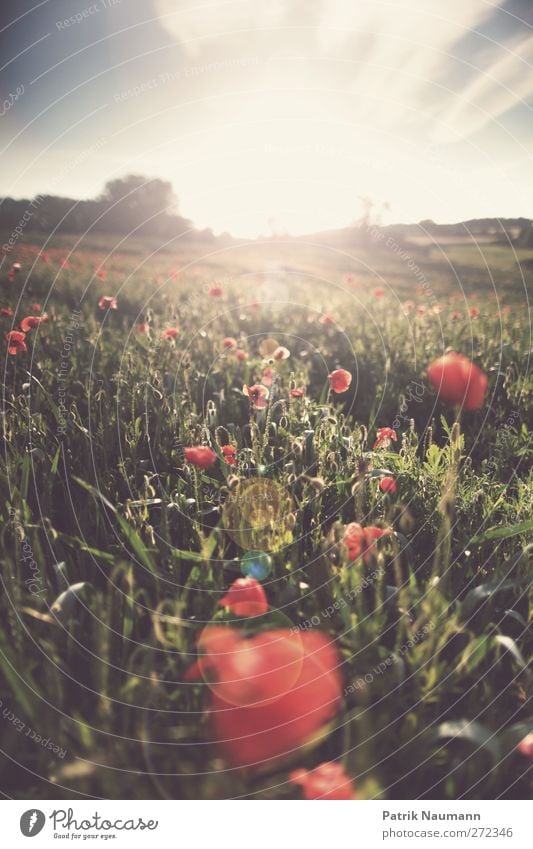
{"x":266,"y":524}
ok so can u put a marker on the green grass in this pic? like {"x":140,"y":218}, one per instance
{"x":109,"y":509}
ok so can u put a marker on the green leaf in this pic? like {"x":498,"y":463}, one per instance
{"x":503,"y":533}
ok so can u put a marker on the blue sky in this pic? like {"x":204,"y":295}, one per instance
{"x":274,"y":116}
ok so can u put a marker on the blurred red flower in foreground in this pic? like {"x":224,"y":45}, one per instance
{"x":7,"y":311}
{"x":387,"y":484}
{"x":525,"y":747}
{"x":281,"y":353}
{"x":459,"y":381}
{"x":339,"y":380}
{"x":15,"y":342}
{"x":298,"y":392}
{"x":326,"y":781}
{"x":200,"y":455}
{"x":35,"y":307}
{"x":361,"y":541}
{"x":257,"y":394}
{"x":245,"y":597}
{"x":31,"y":322}
{"x":271,"y":693}
{"x":240,"y":354}
{"x":143,"y":327}
{"x":106,"y":302}
{"x":215,"y":292}
{"x":229,"y":452}
{"x":170,"y":333}
{"x":229,"y":342}
{"x":384,"y":436}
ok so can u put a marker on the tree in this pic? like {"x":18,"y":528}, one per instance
{"x":137,"y":202}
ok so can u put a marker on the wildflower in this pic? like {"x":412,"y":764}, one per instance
{"x":31,"y":322}
{"x":15,"y":268}
{"x":361,"y":541}
{"x":339,"y":380}
{"x":255,"y":305}
{"x":245,"y":597}
{"x":35,"y":307}
{"x":525,"y":747}
{"x":387,"y":484}
{"x":7,"y":311}
{"x":101,"y":273}
{"x":384,"y":436}
{"x":200,"y":455}
{"x":473,"y":312}
{"x":107,"y":302}
{"x":240,"y":354}
{"x":298,"y":392}
{"x":15,"y":342}
{"x":379,"y":292}
{"x":143,"y":327}
{"x":268,"y":376}
{"x":229,"y":452}
{"x":270,"y":693}
{"x":215,"y":292}
{"x":327,"y":318}
{"x":257,"y":394}
{"x":281,"y":353}
{"x":326,"y":781}
{"x":229,"y":342}
{"x":267,"y":347}
{"x":170,"y":333}
{"x":457,"y":380}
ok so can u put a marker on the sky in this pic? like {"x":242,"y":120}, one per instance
{"x":274,"y":116}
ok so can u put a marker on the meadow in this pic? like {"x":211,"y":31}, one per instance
{"x":170,"y":426}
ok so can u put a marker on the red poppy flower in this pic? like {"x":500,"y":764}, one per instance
{"x":15,"y":342}
{"x":107,"y":302}
{"x":142,"y":327}
{"x":229,"y":452}
{"x":525,"y":747}
{"x":340,"y":380}
{"x":281,"y":353}
{"x":245,"y":597}
{"x":31,"y":322}
{"x":216,"y":292}
{"x":327,"y":318}
{"x":473,"y":312}
{"x":7,"y":311}
{"x":255,"y":305}
{"x":361,"y":541}
{"x":268,"y":376}
{"x":10,"y":276}
{"x":101,"y":273}
{"x":384,"y":436}
{"x":408,"y":306}
{"x":229,"y":342}
{"x":170,"y":333}
{"x":257,"y":394}
{"x":455,"y":315}
{"x":326,"y":781}
{"x":379,"y":292}
{"x":387,"y":484}
{"x":459,"y":381}
{"x":271,"y":693}
{"x":200,"y":455}
{"x":298,"y":392}
{"x":35,"y":307}
{"x":240,"y":354}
